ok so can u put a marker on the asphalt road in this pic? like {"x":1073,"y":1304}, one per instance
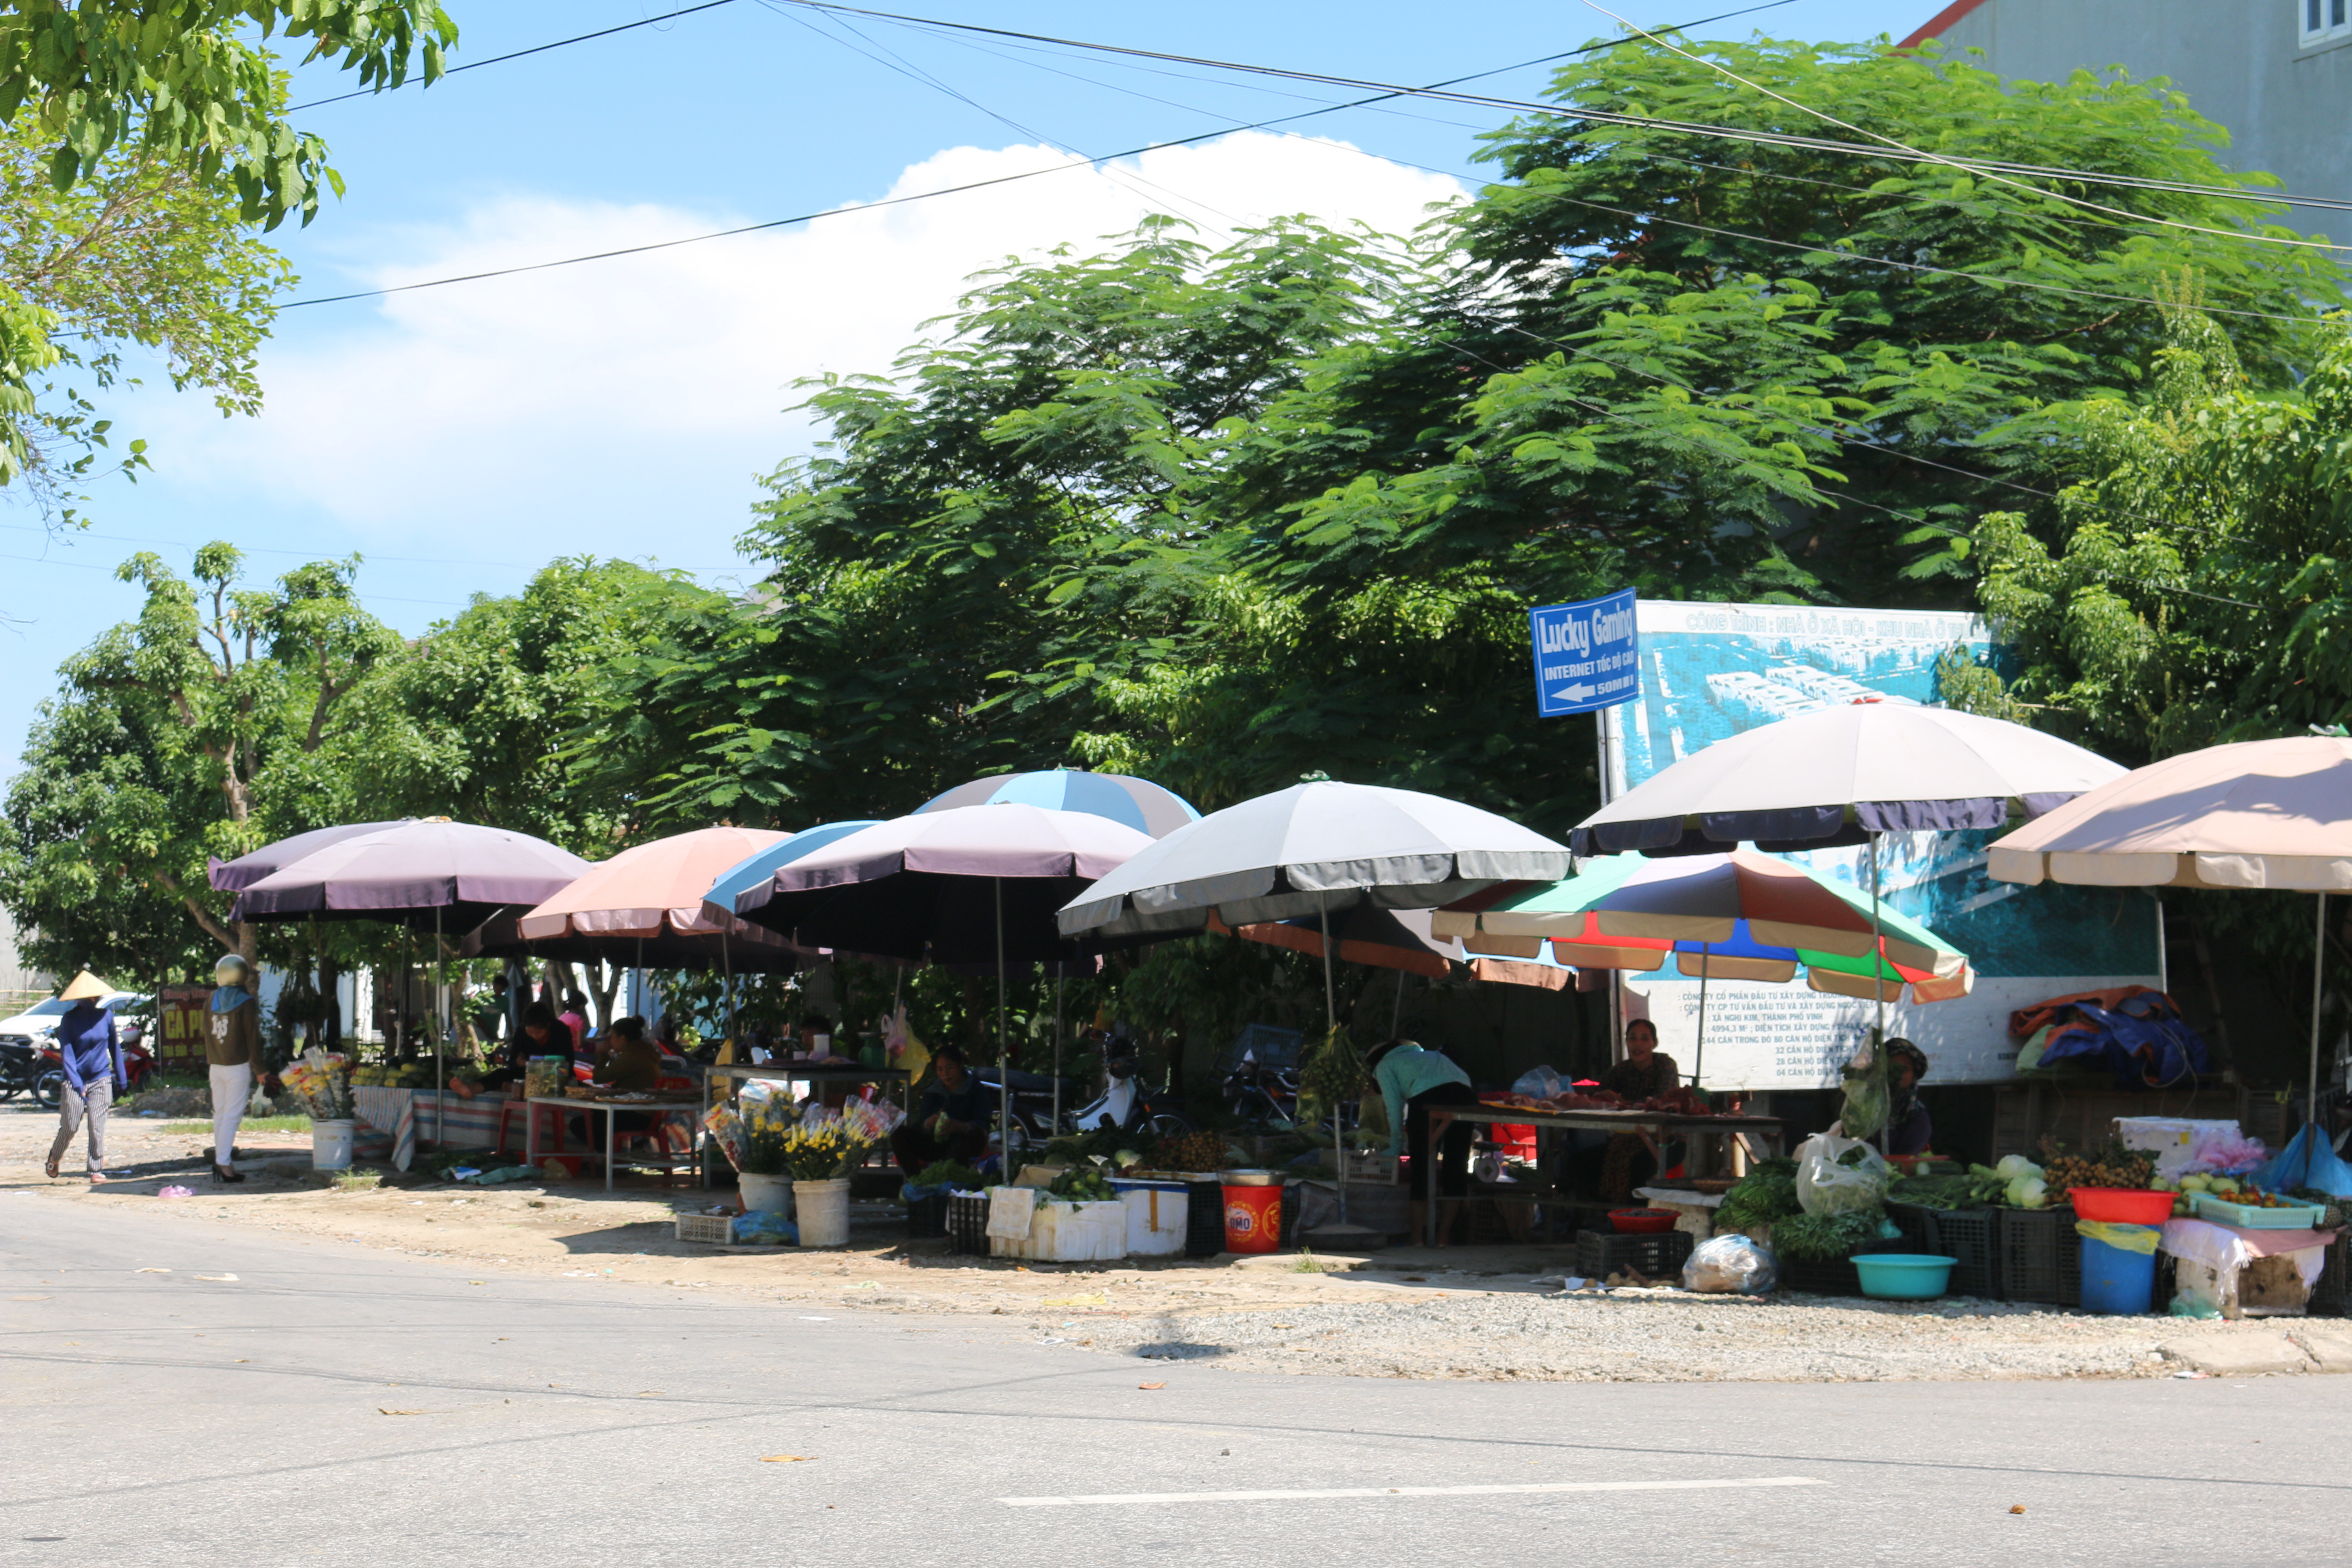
{"x":270,"y":1401}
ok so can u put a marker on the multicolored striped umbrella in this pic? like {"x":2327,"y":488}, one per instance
{"x":1740,"y":915}
{"x":1137,"y":802}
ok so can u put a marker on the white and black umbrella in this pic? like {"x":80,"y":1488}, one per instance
{"x":1312,"y":850}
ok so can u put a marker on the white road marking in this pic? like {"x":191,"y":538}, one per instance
{"x":1116,"y":1499}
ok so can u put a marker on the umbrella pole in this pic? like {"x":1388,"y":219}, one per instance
{"x":1004,"y":1064}
{"x":1331,"y":1043}
{"x":1698,"y":1063}
{"x":441,"y":1046}
{"x":1057,"y":1050}
{"x":1878,"y":947}
{"x":2319,"y":976}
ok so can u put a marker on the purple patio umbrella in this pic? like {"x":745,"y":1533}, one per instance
{"x":957,"y":886}
{"x":431,"y":874}
{"x":235,"y":876}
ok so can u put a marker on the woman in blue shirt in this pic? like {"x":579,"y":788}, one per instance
{"x":92,"y":1054}
{"x":1410,"y":1081}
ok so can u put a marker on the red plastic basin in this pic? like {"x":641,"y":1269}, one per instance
{"x":1643,"y":1222}
{"x":2122,"y":1205}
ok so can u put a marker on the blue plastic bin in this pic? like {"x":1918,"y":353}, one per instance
{"x":2116,"y":1279}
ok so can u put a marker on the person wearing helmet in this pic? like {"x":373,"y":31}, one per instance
{"x":232,"y":1054}
{"x":1908,"y":1128}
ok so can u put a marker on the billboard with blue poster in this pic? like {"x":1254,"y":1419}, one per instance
{"x":1709,"y":670}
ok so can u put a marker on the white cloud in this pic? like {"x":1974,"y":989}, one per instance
{"x":557,"y":408}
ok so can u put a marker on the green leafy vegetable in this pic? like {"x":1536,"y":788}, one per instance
{"x":1766,"y":1193}
{"x":1825,"y":1237}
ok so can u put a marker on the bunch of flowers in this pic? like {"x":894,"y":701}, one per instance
{"x":769,"y":1125}
{"x":324,"y":1082}
{"x":822,"y":1151}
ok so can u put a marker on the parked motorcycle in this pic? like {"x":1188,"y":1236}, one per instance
{"x":48,"y":1080}
{"x":1128,"y":1102}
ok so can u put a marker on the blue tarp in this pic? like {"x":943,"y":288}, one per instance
{"x":2142,"y":1039}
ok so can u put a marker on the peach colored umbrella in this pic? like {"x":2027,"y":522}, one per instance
{"x":652,"y":891}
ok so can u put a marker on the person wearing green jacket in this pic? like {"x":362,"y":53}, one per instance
{"x":1411,"y":1078}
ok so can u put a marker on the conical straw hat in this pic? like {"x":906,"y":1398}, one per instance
{"x":85,"y":987}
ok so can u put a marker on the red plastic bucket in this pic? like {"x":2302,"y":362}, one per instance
{"x":2124,"y":1205}
{"x":1252,"y":1219}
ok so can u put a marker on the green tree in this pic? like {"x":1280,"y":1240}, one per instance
{"x":97,"y":89}
{"x":195,"y":731}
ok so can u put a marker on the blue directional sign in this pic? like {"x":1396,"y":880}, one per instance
{"x":1587,"y":655}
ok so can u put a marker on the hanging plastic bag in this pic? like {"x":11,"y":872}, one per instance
{"x":1864,"y":1113}
{"x":1731,"y":1266}
{"x":1836,"y":1176}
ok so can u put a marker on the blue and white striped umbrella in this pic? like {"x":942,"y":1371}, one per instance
{"x":1137,"y":802}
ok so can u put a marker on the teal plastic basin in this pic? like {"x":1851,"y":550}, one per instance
{"x":1904,"y":1276}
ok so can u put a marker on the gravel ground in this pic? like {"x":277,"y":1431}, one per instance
{"x":1652,"y":1337}
{"x":1482,"y":1312}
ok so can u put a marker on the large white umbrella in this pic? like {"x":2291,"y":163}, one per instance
{"x":2256,"y":813}
{"x":1845,"y":776}
{"x":1831,"y":776}
{"x":1308,"y":851}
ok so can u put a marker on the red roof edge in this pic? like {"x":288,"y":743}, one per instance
{"x":1934,"y":25}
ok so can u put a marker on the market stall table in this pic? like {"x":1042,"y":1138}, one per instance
{"x":1651,"y":1126}
{"x":657,"y":1108}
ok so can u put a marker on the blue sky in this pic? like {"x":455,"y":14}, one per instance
{"x":457,"y":437}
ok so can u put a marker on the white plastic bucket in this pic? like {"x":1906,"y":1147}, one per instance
{"x":1156,"y":1213}
{"x":824,"y":1212}
{"x":765,"y":1195}
{"x":330,"y":1145}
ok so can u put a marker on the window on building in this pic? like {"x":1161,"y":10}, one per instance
{"x":2324,"y":21}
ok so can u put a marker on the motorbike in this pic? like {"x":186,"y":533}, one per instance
{"x":48,"y":1080}
{"x":1261,"y":1091}
{"x":1128,"y":1102}
{"x":1033,"y":1104}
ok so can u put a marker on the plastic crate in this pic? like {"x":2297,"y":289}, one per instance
{"x":1205,"y":1219}
{"x":707,"y":1229}
{"x":1658,"y":1256}
{"x":967,"y":1224}
{"x":927,"y":1217}
{"x":1968,"y":1236}
{"x":1837,"y":1277}
{"x":2040,"y":1256}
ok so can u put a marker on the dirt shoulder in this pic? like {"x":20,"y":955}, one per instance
{"x":1485,"y":1312}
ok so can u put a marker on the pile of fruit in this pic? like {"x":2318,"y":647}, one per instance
{"x":403,"y":1075}
{"x":2116,"y":1167}
{"x":1192,"y":1152}
{"x":1084,"y":1186}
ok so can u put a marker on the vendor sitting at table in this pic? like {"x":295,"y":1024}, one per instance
{"x":950,"y":1119}
{"x":1627,"y":1162}
{"x":1412,"y":1079}
{"x":1907,"y":1129}
{"x":627,"y":1062}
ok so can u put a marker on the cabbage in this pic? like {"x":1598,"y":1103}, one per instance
{"x":2028,"y":1193}
{"x":2013,"y":1166}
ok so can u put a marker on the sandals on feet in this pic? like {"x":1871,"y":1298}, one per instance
{"x":52,"y":1168}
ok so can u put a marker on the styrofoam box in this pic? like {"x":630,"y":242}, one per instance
{"x":1156,"y":1213}
{"x":1069,"y":1233}
{"x":2171,"y":1139}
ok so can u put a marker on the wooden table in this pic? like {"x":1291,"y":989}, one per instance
{"x":1652,"y":1127}
{"x":652,"y":1107}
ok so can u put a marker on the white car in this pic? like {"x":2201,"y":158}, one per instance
{"x":35,"y":1024}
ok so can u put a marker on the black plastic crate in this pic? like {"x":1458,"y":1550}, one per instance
{"x":1837,"y":1277}
{"x":1205,"y":1219}
{"x":967,"y":1224}
{"x":1915,"y":1223}
{"x":2040,"y":1256}
{"x":1970,"y":1239}
{"x":1658,"y":1256}
{"x":927,"y":1217}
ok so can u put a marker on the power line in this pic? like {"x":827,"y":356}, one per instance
{"x":1893,"y":150}
{"x":515,"y":54}
{"x":1381,"y":97}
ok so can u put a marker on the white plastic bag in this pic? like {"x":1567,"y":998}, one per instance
{"x":1836,"y":1175}
{"x":1731,"y":1266}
